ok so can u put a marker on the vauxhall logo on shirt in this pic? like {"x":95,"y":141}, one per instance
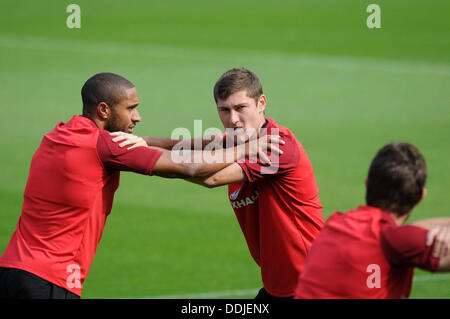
{"x":243,"y":202}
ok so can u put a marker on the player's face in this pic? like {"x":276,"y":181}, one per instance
{"x":241,"y":111}
{"x":125,"y":115}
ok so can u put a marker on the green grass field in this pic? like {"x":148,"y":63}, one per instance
{"x":343,"y":89}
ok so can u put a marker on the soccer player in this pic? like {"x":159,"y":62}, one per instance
{"x":71,"y":184}
{"x":368,"y":252}
{"x":277,"y":206}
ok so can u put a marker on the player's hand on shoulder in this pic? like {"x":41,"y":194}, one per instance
{"x":259,"y":147}
{"x":440,"y":235}
{"x":128,"y":139}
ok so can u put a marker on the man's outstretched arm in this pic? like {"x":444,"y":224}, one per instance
{"x":166,"y":143}
{"x":409,"y":245}
{"x":192,"y":165}
{"x":432,"y":222}
{"x":439,"y":234}
{"x":228,"y":175}
{"x":189,"y":164}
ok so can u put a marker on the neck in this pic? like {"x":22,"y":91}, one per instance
{"x":399,"y":219}
{"x":100,"y":124}
{"x":261,"y":124}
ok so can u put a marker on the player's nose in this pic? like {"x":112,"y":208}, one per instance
{"x":234,"y":118}
{"x":136,"y":117}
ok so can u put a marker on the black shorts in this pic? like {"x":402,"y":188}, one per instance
{"x":264,"y":295}
{"x":20,"y":284}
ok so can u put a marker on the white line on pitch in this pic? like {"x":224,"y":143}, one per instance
{"x":207,"y":295}
{"x":200,"y":54}
{"x":431,"y":277}
{"x":244,"y":292}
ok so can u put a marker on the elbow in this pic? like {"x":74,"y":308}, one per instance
{"x":212,"y":182}
{"x":209,"y":185}
{"x":194,"y":170}
{"x":190,"y":170}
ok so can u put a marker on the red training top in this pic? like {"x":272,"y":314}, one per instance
{"x":69,"y":194}
{"x":364,"y":254}
{"x":279,"y":212}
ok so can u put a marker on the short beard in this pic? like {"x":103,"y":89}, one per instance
{"x":112,"y":125}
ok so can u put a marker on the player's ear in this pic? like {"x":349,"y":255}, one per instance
{"x":103,"y":111}
{"x":424,"y":193}
{"x":262,"y":102}
{"x":365,"y":182}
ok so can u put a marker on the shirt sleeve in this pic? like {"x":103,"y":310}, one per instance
{"x":255,"y":170}
{"x":140,"y":160}
{"x":405,"y":246}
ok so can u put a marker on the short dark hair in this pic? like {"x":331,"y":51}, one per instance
{"x":103,"y":87}
{"x":396,"y":178}
{"x":235,"y":80}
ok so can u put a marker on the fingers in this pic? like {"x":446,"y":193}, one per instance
{"x":128,"y":139}
{"x":443,"y":243}
{"x":263,"y":145}
{"x":137,"y":145}
{"x":136,"y":141}
{"x":441,"y":237}
{"x":242,"y":135}
{"x":431,"y":235}
{"x":264,"y":158}
{"x":272,"y":143}
{"x":275,"y":139}
{"x":117,"y":133}
{"x":120,"y":136}
{"x":273,"y":148}
{"x":446,"y":251}
{"x":272,"y":140}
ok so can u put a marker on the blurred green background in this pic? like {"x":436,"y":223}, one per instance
{"x":345,"y":90}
